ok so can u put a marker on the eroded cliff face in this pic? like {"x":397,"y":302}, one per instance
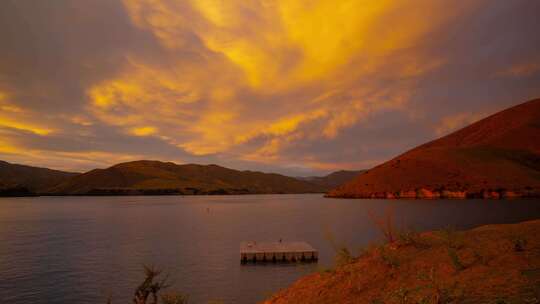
{"x":424,"y":193}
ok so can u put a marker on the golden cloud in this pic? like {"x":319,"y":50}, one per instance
{"x":271,"y":72}
{"x":283,"y":83}
{"x":15,"y":117}
{"x":143,"y":131}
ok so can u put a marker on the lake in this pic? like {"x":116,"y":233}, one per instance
{"x":83,"y":249}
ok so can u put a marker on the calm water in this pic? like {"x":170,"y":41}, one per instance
{"x":81,"y":249}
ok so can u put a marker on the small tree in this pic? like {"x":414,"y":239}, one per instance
{"x":148,"y":292}
{"x":343,"y":254}
{"x":149,"y":287}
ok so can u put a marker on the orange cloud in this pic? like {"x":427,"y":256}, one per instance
{"x":305,"y":83}
{"x":272,"y":72}
{"x":279,"y":44}
{"x":13,"y":116}
{"x":265,"y":48}
{"x":143,"y":131}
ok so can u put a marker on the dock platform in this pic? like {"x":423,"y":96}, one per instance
{"x":277,"y":252}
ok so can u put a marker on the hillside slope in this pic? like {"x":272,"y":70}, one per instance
{"x":154,"y":177}
{"x":16,"y":178}
{"x":489,"y":264}
{"x":333,"y":179}
{"x":498,"y":156}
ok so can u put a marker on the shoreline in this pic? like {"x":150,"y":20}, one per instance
{"x":437,"y":194}
{"x":155,"y":194}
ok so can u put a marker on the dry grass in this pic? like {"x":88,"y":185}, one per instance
{"x":481,"y":265}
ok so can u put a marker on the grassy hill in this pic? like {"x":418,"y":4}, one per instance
{"x":23,"y":180}
{"x":154,"y":177}
{"x":333,"y":179}
{"x":498,"y":156}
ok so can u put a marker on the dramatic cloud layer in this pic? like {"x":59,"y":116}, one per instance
{"x":297,"y":87}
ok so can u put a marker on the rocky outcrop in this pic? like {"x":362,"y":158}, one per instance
{"x":424,"y":193}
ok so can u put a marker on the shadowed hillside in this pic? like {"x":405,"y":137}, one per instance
{"x":24,"y":180}
{"x":498,"y":156}
{"x":333,"y":179}
{"x":154,"y":177}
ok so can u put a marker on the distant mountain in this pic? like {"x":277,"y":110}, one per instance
{"x":154,"y":177}
{"x":498,"y":156}
{"x":24,"y":180}
{"x":333,"y":179}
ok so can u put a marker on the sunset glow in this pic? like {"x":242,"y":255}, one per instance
{"x":286,"y":86}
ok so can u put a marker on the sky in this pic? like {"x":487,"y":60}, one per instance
{"x":298,"y":87}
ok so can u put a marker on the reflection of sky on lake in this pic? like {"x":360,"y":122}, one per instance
{"x":80,"y":249}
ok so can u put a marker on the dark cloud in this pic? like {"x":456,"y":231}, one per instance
{"x":53,"y":50}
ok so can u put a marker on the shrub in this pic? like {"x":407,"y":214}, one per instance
{"x":324,"y":270}
{"x":480,"y":258}
{"x":150,"y":287}
{"x":402,"y":295}
{"x":343,"y":257}
{"x":389,"y":258}
{"x":442,"y":294}
{"x":456,"y":262}
{"x":448,"y":294}
{"x":519,"y":244}
{"x":411,"y":237}
{"x":452,"y":238}
{"x":369,"y":249}
{"x":148,"y":292}
{"x":343,"y":254}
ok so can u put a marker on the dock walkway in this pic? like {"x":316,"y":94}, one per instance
{"x":277,"y":252}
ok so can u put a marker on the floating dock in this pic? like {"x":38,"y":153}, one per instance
{"x":277,"y":252}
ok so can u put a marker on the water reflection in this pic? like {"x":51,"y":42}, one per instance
{"x":80,"y":249}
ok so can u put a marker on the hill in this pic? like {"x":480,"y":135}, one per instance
{"x":333,"y":179}
{"x":25,"y":180}
{"x":154,"y":177}
{"x":489,"y":264}
{"x":498,"y":156}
